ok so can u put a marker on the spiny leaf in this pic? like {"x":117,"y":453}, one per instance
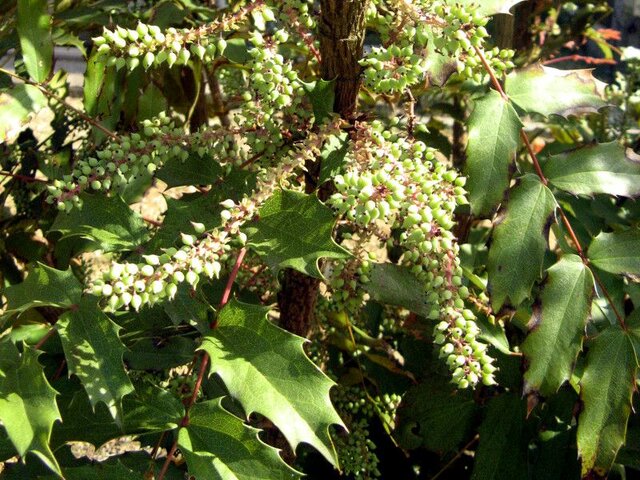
{"x":94,"y":354}
{"x":519,"y":242}
{"x":195,"y":170}
{"x":267,"y":371}
{"x":566,"y":92}
{"x":395,"y":285}
{"x":616,"y":252}
{"x":44,"y":287}
{"x":321,"y":94}
{"x":502,"y":452}
{"x":494,"y":129}
{"x":607,"y":386}
{"x":603,"y":168}
{"x":558,"y":326}
{"x":491,"y":7}
{"x":436,"y":415}
{"x":34,"y":30}
{"x":294,"y":231}
{"x":16,"y":105}
{"x":219,"y":446}
{"x":28,"y":407}
{"x":107,"y":221}
{"x":180,"y":213}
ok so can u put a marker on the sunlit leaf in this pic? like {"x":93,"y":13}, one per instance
{"x":558,"y":326}
{"x":267,"y":371}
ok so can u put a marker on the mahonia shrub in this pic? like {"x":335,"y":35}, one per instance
{"x":359,"y":239}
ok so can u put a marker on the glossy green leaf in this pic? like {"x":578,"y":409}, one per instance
{"x":494,"y":129}
{"x":34,"y":30}
{"x":333,"y":152}
{"x":44,"y":287}
{"x":607,"y":386}
{"x":16,"y":106}
{"x":604,"y":168}
{"x":294,"y":231}
{"x":107,"y":221}
{"x":195,"y":170}
{"x":617,"y":252}
{"x":395,"y":285}
{"x":94,"y":351}
{"x":502,"y":452}
{"x":436,"y":415}
{"x":557,"y":326}
{"x":159,"y":353}
{"x":548,"y":91}
{"x":491,"y":7}
{"x":266,"y":370}
{"x":321,"y":94}
{"x":519,"y":242}
{"x":28,"y":407}
{"x":219,"y":446}
{"x":180,"y":213}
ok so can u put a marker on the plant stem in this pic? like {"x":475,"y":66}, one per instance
{"x":536,"y":164}
{"x":203,"y":364}
{"x":62,"y":102}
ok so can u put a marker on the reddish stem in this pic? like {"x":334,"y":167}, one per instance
{"x":581,"y":58}
{"x":23,"y":178}
{"x":203,"y":364}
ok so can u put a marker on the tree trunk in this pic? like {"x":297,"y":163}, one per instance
{"x":341,"y":28}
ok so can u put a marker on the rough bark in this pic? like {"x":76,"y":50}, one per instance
{"x":341,"y":29}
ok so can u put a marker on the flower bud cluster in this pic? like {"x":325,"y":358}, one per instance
{"x":274,"y":96}
{"x":201,"y":253}
{"x":398,"y":183}
{"x":346,"y":280}
{"x":148,"y":45}
{"x":298,"y":16}
{"x":141,"y":154}
{"x":407,"y":30}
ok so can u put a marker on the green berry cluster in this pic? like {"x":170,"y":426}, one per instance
{"x":274,"y":97}
{"x":345,"y":280}
{"x":158,"y":277}
{"x":355,"y":449}
{"x":356,"y":452}
{"x":397,"y":182}
{"x":410,"y":30}
{"x":148,"y":45}
{"x":141,"y":154}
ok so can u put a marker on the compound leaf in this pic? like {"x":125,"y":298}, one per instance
{"x":27,"y":403}
{"x":44,"y":287}
{"x":616,"y":252}
{"x":548,"y":91}
{"x":607,"y":386}
{"x":107,"y":221}
{"x":558,"y":326}
{"x":294,"y":231}
{"x":517,"y":251}
{"x":94,"y":351}
{"x":267,"y":371}
{"x":604,"y":168}
{"x":34,"y":30}
{"x":218,"y":445}
{"x":494,"y":129}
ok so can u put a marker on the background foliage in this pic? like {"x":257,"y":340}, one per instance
{"x":448,"y":215}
